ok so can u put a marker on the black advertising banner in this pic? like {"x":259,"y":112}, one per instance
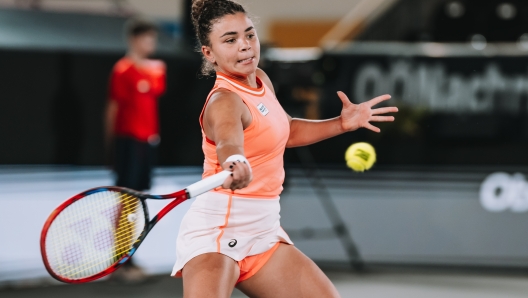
{"x":454,"y":110}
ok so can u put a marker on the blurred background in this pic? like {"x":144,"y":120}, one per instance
{"x":444,"y":212}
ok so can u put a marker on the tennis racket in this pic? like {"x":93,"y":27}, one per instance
{"x":93,"y":233}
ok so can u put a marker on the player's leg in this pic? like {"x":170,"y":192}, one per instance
{"x":127,"y":170}
{"x":120,"y":160}
{"x":210,"y":275}
{"x":288,"y":273}
{"x":152,"y":161}
{"x":145,"y":166}
{"x":127,"y":163}
{"x":137,"y":164}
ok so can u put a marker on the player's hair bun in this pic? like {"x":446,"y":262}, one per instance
{"x":196,"y":10}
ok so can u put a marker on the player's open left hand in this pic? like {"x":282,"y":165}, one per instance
{"x":241,"y":176}
{"x":354,"y":116}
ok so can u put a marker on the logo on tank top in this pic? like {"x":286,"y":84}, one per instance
{"x":143,"y":86}
{"x":232,"y":243}
{"x":262,"y":109}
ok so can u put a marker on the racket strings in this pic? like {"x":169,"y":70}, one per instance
{"x":102,"y":241}
{"x":123,"y":242}
{"x":93,"y":233}
{"x":124,"y":234}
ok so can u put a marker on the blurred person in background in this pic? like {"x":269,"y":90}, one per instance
{"x":131,"y":119}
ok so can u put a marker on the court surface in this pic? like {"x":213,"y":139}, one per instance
{"x":375,"y":284}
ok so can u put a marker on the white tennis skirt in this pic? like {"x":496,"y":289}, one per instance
{"x":235,"y":227}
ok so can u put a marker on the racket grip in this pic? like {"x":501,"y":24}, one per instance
{"x":207,"y":184}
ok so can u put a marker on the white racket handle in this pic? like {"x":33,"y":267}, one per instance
{"x":207,"y":184}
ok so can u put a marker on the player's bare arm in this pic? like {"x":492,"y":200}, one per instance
{"x":225,"y":118}
{"x":353,"y":116}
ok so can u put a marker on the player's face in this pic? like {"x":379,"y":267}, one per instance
{"x":235,"y":48}
{"x":145,"y":44}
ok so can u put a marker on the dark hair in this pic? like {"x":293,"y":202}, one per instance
{"x":137,"y":26}
{"x":203,"y":14}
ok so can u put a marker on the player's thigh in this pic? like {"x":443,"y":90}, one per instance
{"x":288,"y":273}
{"x":210,"y":275}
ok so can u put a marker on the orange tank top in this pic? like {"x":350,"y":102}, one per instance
{"x":264,"y":139}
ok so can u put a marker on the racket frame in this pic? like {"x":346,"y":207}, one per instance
{"x":179,"y":197}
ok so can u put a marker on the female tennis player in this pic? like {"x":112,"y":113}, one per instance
{"x":232,"y":235}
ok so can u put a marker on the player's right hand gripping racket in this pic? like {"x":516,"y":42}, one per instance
{"x":95,"y":232}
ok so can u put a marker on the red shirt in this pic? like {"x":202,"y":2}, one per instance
{"x":136,"y":91}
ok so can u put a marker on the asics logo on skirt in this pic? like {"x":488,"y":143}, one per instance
{"x":232,"y":243}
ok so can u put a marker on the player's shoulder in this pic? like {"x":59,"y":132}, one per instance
{"x":156,"y":64}
{"x":224,"y":96}
{"x":122,"y":65}
{"x":264,"y":78}
{"x":223,"y":99}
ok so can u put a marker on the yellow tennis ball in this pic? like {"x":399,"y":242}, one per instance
{"x":360,"y":156}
